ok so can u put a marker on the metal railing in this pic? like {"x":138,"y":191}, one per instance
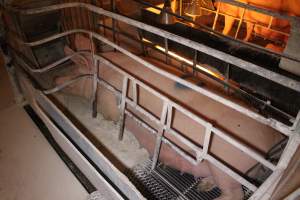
{"x":292,"y":19}
{"x":241,"y":19}
{"x":165,"y":121}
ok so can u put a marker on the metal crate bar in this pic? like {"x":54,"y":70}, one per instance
{"x":165,"y":121}
{"x":277,"y":78}
{"x":201,"y":121}
{"x":267,"y":121}
{"x":212,"y":30}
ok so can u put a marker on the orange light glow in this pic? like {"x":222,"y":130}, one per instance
{"x":189,"y":62}
{"x":156,"y":11}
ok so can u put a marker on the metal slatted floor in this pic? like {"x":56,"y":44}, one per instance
{"x":166,"y":183}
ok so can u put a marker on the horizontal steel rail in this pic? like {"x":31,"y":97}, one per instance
{"x":199,"y":151}
{"x":242,"y":19}
{"x":57,"y":63}
{"x":92,"y":174}
{"x":67,"y":83}
{"x":261,"y":10}
{"x":168,"y":128}
{"x":118,"y":178}
{"x":267,"y":121}
{"x":181,"y":138}
{"x":277,"y":78}
{"x":147,"y":44}
{"x":100,"y":183}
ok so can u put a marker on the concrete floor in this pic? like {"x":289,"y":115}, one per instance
{"x":29,"y":168}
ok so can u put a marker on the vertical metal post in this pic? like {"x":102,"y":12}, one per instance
{"x":182,"y":67}
{"x":227,"y":76}
{"x":169,"y":116}
{"x":95,"y":78}
{"x":94,"y":24}
{"x":206,"y":142}
{"x":270,"y":22}
{"x":195,"y":62}
{"x":289,"y":151}
{"x":180,"y":7}
{"x":144,"y":50}
{"x":266,"y":189}
{"x":267,"y":195}
{"x":240,"y":23}
{"x":95,"y":89}
{"x":135,"y":92}
{"x":159,"y":135}
{"x":113,"y":9}
{"x":296,"y":123}
{"x":216,"y":17}
{"x":166,"y":49}
{"x":286,"y":157}
{"x":123,"y":106}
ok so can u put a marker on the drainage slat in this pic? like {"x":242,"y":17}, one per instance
{"x":166,"y":183}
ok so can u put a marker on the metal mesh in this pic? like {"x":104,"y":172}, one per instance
{"x":167,"y":183}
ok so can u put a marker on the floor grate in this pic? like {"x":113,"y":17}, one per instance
{"x":166,"y":183}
